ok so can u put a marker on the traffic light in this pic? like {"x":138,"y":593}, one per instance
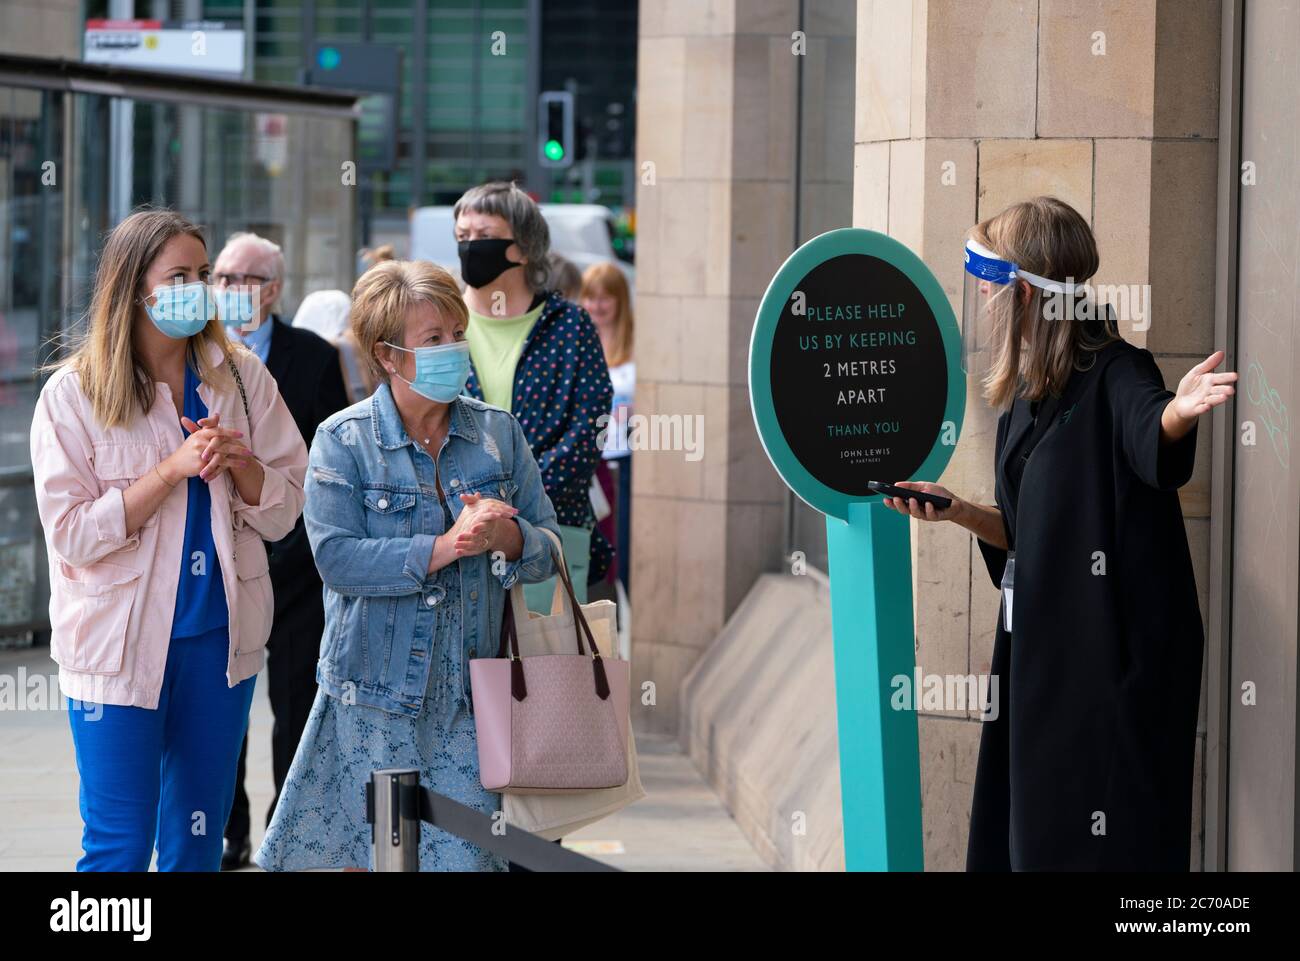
{"x":555,"y":140}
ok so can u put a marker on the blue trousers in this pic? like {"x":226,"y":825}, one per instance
{"x":164,"y":776}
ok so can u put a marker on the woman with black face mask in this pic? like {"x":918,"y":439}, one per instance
{"x":538,"y":356}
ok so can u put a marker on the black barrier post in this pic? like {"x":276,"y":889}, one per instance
{"x":396,"y":804}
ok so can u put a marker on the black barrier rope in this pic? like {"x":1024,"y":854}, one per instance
{"x":410,"y":804}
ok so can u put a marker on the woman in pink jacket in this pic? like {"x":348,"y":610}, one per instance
{"x":164,"y":458}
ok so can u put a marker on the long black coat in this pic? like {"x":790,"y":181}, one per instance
{"x":309,"y":376}
{"x":1088,"y":765}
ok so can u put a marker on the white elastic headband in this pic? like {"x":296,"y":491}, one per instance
{"x":1045,"y":283}
{"x":1042,"y":283}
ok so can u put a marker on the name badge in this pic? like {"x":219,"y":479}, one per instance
{"x":1008,"y":592}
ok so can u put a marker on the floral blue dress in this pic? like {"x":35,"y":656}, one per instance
{"x":320,"y":819}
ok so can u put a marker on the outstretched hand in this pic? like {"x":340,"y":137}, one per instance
{"x":1201,"y":388}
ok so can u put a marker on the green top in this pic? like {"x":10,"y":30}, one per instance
{"x":495,"y":344}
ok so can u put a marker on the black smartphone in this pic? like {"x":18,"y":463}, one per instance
{"x":889,"y":490}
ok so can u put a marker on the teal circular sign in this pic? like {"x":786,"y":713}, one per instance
{"x":855,"y":369}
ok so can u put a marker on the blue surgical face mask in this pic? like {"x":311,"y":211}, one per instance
{"x":440,"y":372}
{"x":235,"y":307}
{"x":181,"y":310}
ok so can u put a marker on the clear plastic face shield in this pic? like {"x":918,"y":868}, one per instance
{"x":988,"y":305}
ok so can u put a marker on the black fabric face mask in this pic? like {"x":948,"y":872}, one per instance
{"x":483,"y":261}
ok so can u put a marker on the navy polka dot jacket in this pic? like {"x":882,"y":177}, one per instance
{"x":561,"y":388}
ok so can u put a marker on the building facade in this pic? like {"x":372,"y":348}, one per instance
{"x":83,"y":144}
{"x":471,"y":72}
{"x":1165,"y":122}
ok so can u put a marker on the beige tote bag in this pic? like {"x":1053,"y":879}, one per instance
{"x":553,"y":816}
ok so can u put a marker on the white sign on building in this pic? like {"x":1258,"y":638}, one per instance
{"x":205,"y":47}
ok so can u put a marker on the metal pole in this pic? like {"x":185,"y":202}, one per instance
{"x":1223,"y":449}
{"x":121,"y":159}
{"x":419,"y":105}
{"x":870,"y":559}
{"x":536,"y":177}
{"x":395,"y":830}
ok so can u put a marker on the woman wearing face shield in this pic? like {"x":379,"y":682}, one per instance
{"x":1088,"y":764}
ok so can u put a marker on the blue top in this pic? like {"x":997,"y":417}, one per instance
{"x":200,"y":595}
{"x":258,"y":341}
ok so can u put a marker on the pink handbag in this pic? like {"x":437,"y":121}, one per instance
{"x":550,"y":723}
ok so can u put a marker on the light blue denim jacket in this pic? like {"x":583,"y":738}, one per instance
{"x":371,"y":501}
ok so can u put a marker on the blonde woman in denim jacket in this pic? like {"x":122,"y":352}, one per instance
{"x":424,"y":506}
{"x":163,"y":458}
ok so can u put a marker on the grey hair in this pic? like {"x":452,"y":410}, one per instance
{"x":268,"y":247}
{"x":516,"y":208}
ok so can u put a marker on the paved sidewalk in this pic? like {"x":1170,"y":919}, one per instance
{"x":679,"y":826}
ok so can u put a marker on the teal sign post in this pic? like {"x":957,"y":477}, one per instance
{"x":855,"y":376}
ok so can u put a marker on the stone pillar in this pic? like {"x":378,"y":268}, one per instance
{"x":715,"y":132}
{"x":965,"y":106}
{"x":41,"y":28}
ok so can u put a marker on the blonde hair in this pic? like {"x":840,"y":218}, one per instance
{"x":113,"y":376}
{"x":384,"y":296}
{"x":1048,"y":237}
{"x":371,"y":256}
{"x":606,"y":278}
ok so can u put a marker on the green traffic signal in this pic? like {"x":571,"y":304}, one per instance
{"x":554,"y":150}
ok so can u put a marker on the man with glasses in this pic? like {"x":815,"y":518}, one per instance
{"x":249,"y":278}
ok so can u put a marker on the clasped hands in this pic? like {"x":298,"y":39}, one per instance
{"x":206,"y":452}
{"x":485,"y":524}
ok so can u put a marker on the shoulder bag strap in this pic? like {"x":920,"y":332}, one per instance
{"x":243,"y":395}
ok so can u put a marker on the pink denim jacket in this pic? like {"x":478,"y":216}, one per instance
{"x":112,"y":596}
